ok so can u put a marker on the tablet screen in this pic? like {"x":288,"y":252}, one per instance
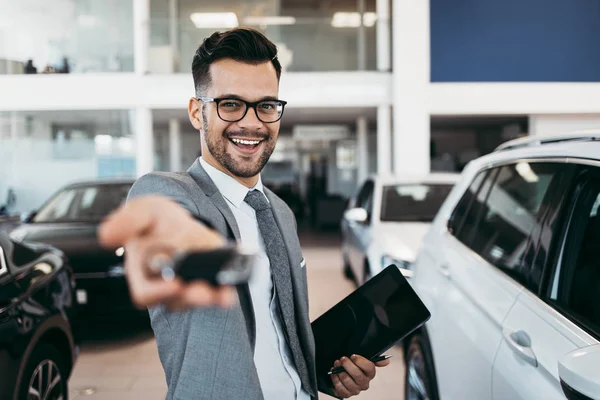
{"x":368,"y":321}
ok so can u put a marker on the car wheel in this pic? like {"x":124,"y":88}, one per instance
{"x":45,"y":375}
{"x":419,"y":378}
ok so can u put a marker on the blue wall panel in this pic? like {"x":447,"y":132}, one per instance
{"x":515,"y":40}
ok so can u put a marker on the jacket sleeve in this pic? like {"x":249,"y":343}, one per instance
{"x":167,"y":185}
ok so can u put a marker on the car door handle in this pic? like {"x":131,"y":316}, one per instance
{"x":445,"y":270}
{"x":520,"y":343}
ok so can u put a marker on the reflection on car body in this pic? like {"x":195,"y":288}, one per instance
{"x":37,"y":349}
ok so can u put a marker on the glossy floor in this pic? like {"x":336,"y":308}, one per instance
{"x":121,"y":362}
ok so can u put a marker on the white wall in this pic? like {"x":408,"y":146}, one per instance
{"x":562,"y":123}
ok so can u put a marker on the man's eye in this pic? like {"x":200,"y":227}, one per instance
{"x":230,"y":104}
{"x":268,"y":106}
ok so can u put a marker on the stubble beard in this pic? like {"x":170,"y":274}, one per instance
{"x":217,"y":146}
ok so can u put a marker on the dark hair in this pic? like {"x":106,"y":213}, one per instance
{"x":240,"y":44}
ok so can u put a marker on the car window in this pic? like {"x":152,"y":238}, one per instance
{"x":58,"y":208}
{"x":575,"y":286}
{"x":458,"y":215}
{"x":364,"y":199}
{"x":505,"y":213}
{"x":86,"y":204}
{"x":412,"y":202}
{"x":477,"y":198}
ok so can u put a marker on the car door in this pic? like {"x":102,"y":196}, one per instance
{"x":480,"y":275}
{"x":359,"y":233}
{"x":565,"y":314}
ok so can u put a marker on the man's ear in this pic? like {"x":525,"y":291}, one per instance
{"x":195,"y":113}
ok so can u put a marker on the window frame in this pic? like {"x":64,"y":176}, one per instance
{"x":564,"y":238}
{"x":552,"y":198}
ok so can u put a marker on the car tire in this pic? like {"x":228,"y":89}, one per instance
{"x":419,"y":378}
{"x":45,"y":360}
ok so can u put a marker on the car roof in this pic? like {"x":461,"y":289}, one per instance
{"x":435,"y":177}
{"x":576,"y":145}
{"x":101,"y":182}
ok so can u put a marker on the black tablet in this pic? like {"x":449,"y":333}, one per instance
{"x":368,"y":321}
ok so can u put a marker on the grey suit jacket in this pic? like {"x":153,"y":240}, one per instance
{"x":208,"y":353}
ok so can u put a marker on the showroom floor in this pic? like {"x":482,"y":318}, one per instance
{"x":122,"y":362}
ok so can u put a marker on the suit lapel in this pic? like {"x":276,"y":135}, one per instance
{"x":209,"y":188}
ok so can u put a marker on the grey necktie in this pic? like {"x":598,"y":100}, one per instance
{"x":280,"y":267}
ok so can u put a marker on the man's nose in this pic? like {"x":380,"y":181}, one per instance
{"x":250,"y":120}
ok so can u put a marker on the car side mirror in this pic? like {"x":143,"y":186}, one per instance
{"x":357,"y":215}
{"x":578,"y":373}
{"x":28,"y":216}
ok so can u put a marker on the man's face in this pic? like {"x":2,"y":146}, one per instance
{"x":247,"y":82}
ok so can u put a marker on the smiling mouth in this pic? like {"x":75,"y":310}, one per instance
{"x":246,"y":143}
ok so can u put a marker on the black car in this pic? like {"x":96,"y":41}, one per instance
{"x":69,"y":221}
{"x":37,"y":350}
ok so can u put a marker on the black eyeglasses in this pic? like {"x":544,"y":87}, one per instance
{"x":234,"y":110}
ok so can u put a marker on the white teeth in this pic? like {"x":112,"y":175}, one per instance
{"x":247,"y":142}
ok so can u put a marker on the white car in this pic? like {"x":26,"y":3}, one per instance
{"x":387,"y":220}
{"x":510,"y":272}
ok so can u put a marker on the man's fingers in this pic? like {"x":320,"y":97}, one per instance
{"x":365,"y":365}
{"x":355,"y":374}
{"x":383,"y":363}
{"x":129,"y":221}
{"x":340,"y":389}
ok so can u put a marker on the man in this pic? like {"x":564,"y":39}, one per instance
{"x":261,"y":346}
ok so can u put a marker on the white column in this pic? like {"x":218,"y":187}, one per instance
{"x":361,"y":48}
{"x":174,"y":145}
{"x":174,"y":32}
{"x":410,"y":83}
{"x":550,"y":124}
{"x":383,"y":35}
{"x":362,"y":148}
{"x":144,"y":141}
{"x":384,"y":140}
{"x":141,"y":35}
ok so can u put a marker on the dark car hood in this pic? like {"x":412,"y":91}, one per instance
{"x":77,"y":240}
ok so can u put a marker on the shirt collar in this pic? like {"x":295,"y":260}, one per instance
{"x":230,"y":188}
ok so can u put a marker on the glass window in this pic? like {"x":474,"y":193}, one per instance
{"x":57,"y":209}
{"x":311,"y":36}
{"x":66,"y":147}
{"x":510,"y":216}
{"x":66,"y":36}
{"x":505,"y":212}
{"x":461,"y":217}
{"x":576,"y":284}
{"x":414,"y":202}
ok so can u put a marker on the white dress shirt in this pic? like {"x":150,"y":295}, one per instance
{"x":274,"y":362}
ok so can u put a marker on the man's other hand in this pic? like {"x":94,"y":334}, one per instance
{"x":150,"y":225}
{"x":359,"y":372}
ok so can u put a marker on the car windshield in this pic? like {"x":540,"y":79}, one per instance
{"x":83,"y":204}
{"x":412,"y":202}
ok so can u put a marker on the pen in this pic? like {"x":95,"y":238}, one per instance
{"x":338,"y":370}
